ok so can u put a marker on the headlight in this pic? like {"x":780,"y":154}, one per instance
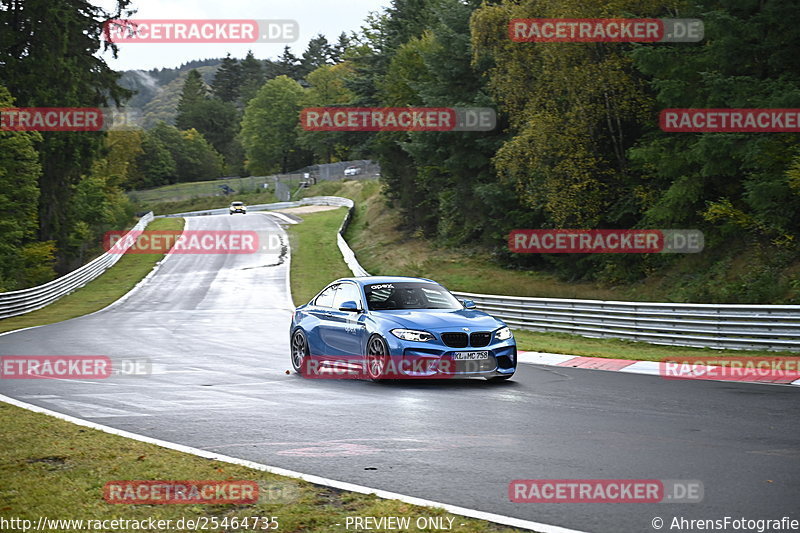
{"x":412,"y":335}
{"x":503,"y":334}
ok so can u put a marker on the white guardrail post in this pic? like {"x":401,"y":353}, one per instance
{"x":26,"y":300}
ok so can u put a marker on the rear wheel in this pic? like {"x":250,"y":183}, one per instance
{"x":377,"y":358}
{"x":299,"y":350}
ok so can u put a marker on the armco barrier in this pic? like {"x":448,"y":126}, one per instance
{"x":724,"y":326}
{"x":23,"y":301}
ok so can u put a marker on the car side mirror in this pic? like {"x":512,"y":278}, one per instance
{"x":350,"y":306}
{"x":468,"y":304}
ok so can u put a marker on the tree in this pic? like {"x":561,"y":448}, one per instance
{"x":339,"y":49}
{"x":574,"y":111}
{"x":440,"y":180}
{"x":122,"y":148}
{"x":317,"y":53}
{"x":203,"y":162}
{"x":194,"y":93}
{"x":154,"y":166}
{"x":327,"y":88}
{"x":287,"y":65}
{"x":228,"y":80}
{"x":19,"y":194}
{"x":195,"y":159}
{"x":49,"y":56}
{"x":736,"y":182}
{"x":252,"y":78}
{"x":217,"y":119}
{"x":269,"y":133}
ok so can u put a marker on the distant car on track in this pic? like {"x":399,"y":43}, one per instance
{"x":352,"y":171}
{"x":238,"y":207}
{"x":398,"y":327}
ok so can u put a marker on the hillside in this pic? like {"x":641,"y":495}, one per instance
{"x":158,"y":91}
{"x":727,"y":273}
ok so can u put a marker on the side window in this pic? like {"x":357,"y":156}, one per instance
{"x":325,"y":298}
{"x":347,"y":292}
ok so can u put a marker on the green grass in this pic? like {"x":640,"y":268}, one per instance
{"x":206,"y":202}
{"x":316,"y":260}
{"x":52,"y":468}
{"x":207,"y":194}
{"x":381,"y":249}
{"x":189,"y":190}
{"x":384,"y":249}
{"x":100,"y":292}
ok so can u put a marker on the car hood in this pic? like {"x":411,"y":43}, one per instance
{"x":440,"y":319}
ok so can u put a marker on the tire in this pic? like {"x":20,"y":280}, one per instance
{"x":377,"y":358}
{"x":299,"y":350}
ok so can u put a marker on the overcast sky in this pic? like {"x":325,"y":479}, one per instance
{"x":328,"y":17}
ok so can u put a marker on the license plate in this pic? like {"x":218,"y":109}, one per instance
{"x":470,"y":356}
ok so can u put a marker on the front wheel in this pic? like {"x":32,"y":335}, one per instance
{"x":377,"y":358}
{"x":299,"y":351}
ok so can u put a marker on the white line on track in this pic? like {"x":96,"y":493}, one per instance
{"x":342,"y":485}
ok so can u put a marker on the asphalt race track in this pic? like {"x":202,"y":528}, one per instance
{"x":215,"y":330}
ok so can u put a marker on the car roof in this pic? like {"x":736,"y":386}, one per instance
{"x":369,"y":280}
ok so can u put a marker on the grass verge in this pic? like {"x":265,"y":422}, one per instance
{"x":316,"y":260}
{"x":205,"y":202}
{"x":100,"y":292}
{"x":373,"y":237}
{"x":382,"y":249}
{"x":56,"y":469}
{"x":195,"y":189}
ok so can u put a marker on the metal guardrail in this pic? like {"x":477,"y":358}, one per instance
{"x":723,"y":326}
{"x":23,"y":301}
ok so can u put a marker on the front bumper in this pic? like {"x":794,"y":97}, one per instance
{"x":429,"y":359}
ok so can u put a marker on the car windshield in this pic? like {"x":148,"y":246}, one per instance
{"x":409,"y":295}
{"x":236,"y":204}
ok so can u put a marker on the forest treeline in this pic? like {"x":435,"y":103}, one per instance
{"x":577,"y":144}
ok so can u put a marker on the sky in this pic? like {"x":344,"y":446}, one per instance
{"x":328,"y":17}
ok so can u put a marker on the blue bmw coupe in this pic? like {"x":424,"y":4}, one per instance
{"x":381,"y":327}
